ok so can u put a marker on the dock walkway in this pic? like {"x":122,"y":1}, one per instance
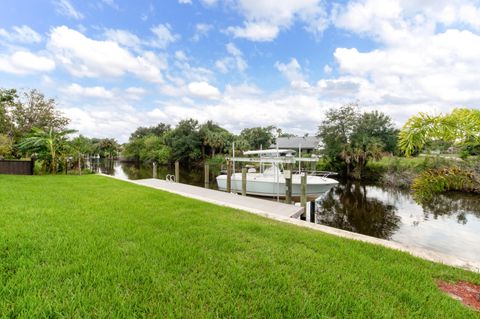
{"x":257,"y":206}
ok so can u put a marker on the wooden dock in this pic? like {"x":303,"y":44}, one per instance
{"x":254,"y":205}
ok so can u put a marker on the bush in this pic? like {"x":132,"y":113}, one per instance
{"x":434,"y":181}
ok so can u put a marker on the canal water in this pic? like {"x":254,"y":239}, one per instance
{"x":448,"y":224}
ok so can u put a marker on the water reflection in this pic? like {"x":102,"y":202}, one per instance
{"x":457,"y":204}
{"x":135,"y":170}
{"x":348,"y":207}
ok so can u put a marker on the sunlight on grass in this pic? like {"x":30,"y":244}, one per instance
{"x":91,"y":246}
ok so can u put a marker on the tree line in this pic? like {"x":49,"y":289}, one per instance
{"x":191,"y":142}
{"x":31,"y":125}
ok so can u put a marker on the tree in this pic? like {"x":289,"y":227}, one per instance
{"x":351,"y":138}
{"x":376,"y":125}
{"x":34,"y":110}
{"x":106,"y":147}
{"x":133,"y":148}
{"x":185,"y":141}
{"x":158,"y":130}
{"x":214,"y":137}
{"x":461,"y":126}
{"x":7,"y":102}
{"x":154,"y":150}
{"x":337,"y":128}
{"x":258,"y":137}
{"x":83,"y":145}
{"x":6,"y":146}
{"x":281,"y":133}
{"x":49,"y":146}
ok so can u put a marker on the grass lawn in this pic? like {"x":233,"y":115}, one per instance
{"x":91,"y":246}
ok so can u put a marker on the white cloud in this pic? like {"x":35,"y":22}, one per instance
{"x":184,"y":72}
{"x":150,"y":12}
{"x":94,"y":91}
{"x":421,"y":62}
{"x":64,"y":7}
{"x":223,"y":65}
{"x":106,"y":120}
{"x":293,"y":72}
{"x":264,"y":19}
{"x":23,"y":34}
{"x":209,"y":2}
{"x":327,"y":69}
{"x":135,"y":93}
{"x":163,"y":36}
{"x":185,"y":1}
{"x":203,"y":90}
{"x":124,"y":37}
{"x":84,"y":57}
{"x":180,"y":55}
{"x":201,"y":30}
{"x":242,"y":90}
{"x":234,"y":61}
{"x":112,"y":4}
{"x":25,"y":62}
{"x":255,"y":31}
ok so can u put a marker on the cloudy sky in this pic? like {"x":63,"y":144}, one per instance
{"x":114,"y":65}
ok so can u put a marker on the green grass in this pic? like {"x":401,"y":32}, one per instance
{"x":90,"y":246}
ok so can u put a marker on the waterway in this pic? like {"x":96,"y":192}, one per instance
{"x":448,"y":224}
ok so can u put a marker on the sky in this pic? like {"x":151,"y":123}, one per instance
{"x":115,"y":65}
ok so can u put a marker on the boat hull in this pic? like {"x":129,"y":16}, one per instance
{"x":264,"y":186}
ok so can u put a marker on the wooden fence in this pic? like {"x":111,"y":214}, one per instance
{"x":17,"y":167}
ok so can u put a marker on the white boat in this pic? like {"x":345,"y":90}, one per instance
{"x":270,"y":181}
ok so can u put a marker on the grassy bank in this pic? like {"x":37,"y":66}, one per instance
{"x":89,"y":246}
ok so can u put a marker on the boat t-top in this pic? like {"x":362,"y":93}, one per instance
{"x":270,"y":179}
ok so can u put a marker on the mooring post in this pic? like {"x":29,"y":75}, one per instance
{"x":154,"y":170}
{"x":229,"y":176}
{"x":177,"y":171}
{"x":303,"y":190}
{"x":308,"y":211}
{"x":244,"y":181}
{"x":312,"y":212}
{"x":207,"y":175}
{"x":288,"y":183}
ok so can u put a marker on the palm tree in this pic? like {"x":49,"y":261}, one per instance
{"x":49,"y":145}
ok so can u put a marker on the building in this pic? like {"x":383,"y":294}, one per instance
{"x":308,"y":144}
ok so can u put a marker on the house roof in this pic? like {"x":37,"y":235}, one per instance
{"x":307,"y":142}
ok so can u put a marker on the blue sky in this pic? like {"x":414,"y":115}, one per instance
{"x":114,"y":65}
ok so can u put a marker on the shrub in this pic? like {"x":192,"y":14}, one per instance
{"x":434,"y":181}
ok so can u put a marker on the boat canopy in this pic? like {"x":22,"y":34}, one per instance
{"x":269,"y":152}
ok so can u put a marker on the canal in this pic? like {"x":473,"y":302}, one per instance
{"x":449,"y":224}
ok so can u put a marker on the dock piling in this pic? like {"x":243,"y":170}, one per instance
{"x":244,"y":181}
{"x":177,"y":171}
{"x":229,"y":176}
{"x":288,"y":184}
{"x":303,"y":189}
{"x":154,"y":170}
{"x":207,"y":175}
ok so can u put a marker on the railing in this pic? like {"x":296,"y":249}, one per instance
{"x":170,"y":178}
{"x":321,"y":173}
